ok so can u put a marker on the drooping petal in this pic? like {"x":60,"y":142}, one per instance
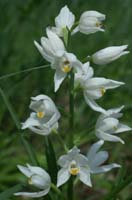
{"x":108,"y":137}
{"x":31,"y":121}
{"x":94,"y":83}
{"x":105,"y":168}
{"x":122,"y":128}
{"x":84,"y":176}
{"x":33,"y":194}
{"x":45,"y":130}
{"x":58,"y":79}
{"x":62,"y":176}
{"x":115,"y":112}
{"x":93,"y":104}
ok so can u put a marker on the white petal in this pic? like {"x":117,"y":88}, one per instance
{"x":93,"y":13}
{"x":39,"y":171}
{"x":109,"y":54}
{"x":72,"y":153}
{"x":41,"y":97}
{"x":65,"y":18}
{"x":84,"y":176}
{"x":99,"y":159}
{"x":30,"y":122}
{"x":93,"y":150}
{"x":108,"y":124}
{"x":47,"y":56}
{"x":108,"y":137}
{"x":93,"y":104}
{"x":63,"y":160}
{"x":25,"y":170}
{"x":62,"y":176}
{"x":102,"y":82}
{"x":33,"y":194}
{"x":114,"y":110}
{"x":70,"y":57}
{"x":55,"y":41}
{"x":105,"y":168}
{"x":58,"y":79}
{"x":45,"y":130}
{"x":122,"y":128}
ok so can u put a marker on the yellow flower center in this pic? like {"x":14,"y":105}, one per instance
{"x":74,"y":171}
{"x":40,"y":114}
{"x":103,"y":90}
{"x":66,"y":67}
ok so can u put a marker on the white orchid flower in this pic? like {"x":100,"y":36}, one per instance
{"x":97,"y":158}
{"x":94,"y":87}
{"x":53,"y":50}
{"x":109,"y":54}
{"x":90,"y":22}
{"x":73,"y":163}
{"x":108,"y":126}
{"x":63,"y":65}
{"x":37,"y":177}
{"x":65,"y":19}
{"x":51,"y":46}
{"x":45,"y":117}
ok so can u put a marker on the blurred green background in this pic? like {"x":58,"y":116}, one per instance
{"x":22,"y":22}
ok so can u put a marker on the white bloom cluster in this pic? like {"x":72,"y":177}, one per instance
{"x":44,"y":118}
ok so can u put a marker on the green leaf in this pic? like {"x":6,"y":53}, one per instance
{"x":25,"y":143}
{"x":51,"y":159}
{"x":9,"y":192}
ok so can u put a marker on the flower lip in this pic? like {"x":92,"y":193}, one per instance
{"x":66,"y":66}
{"x":40,"y":114}
{"x":74,"y":170}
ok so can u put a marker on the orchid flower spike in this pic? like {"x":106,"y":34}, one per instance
{"x":108,"y":126}
{"x":90,"y":22}
{"x":73,"y":163}
{"x":37,"y":177}
{"x":45,"y":117}
{"x":96,"y":158}
{"x":53,"y":50}
{"x":109,"y":54}
{"x":65,"y":19}
{"x":94,"y":87}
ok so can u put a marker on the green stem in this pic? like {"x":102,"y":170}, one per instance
{"x":61,"y":141}
{"x":70,"y":193}
{"x":22,"y":71}
{"x":54,"y":188}
{"x":71,"y":107}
